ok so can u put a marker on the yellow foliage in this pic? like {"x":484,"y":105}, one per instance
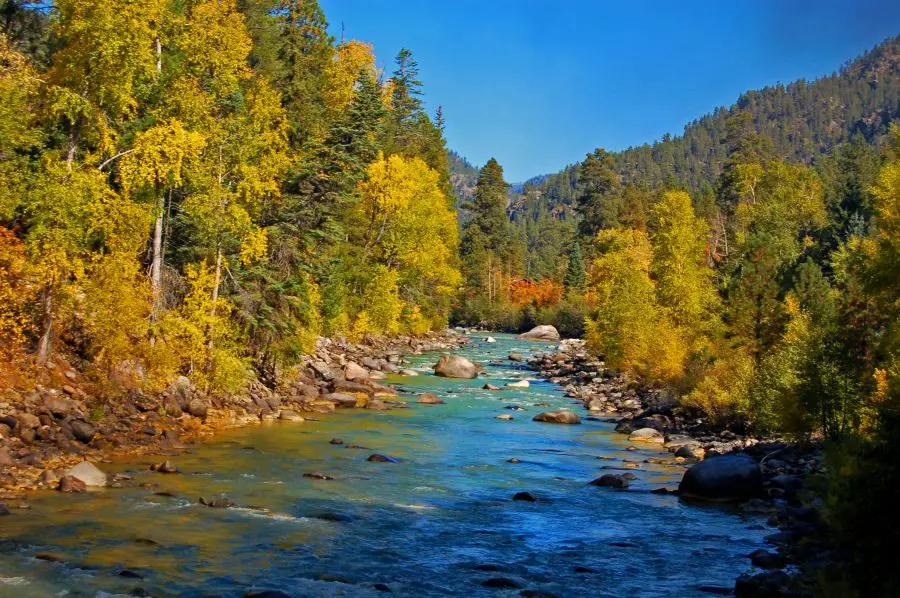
{"x":116,"y":310}
{"x":216,"y":45}
{"x":158,"y":156}
{"x":19,"y":88}
{"x":202,"y":337}
{"x":382,"y":302}
{"x":15,"y":295}
{"x":255,"y":246}
{"x":629,"y":328}
{"x":414,"y":322}
{"x":361,"y":327}
{"x":723,"y":393}
{"x":409,"y":223}
{"x":352,"y":61}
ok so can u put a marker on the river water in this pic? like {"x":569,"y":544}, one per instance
{"x":438,"y":522}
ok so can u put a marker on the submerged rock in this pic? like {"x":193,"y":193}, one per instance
{"x":377,"y":458}
{"x":541,"y":333}
{"x":501,"y":583}
{"x":217,"y":503}
{"x":525,"y":496}
{"x":490,"y":387}
{"x":164,"y":467}
{"x":650,"y":435}
{"x":317,"y":476}
{"x":429,"y":399}
{"x":723,"y":478}
{"x":557,"y":417}
{"x":455,"y":366}
{"x":610,"y":480}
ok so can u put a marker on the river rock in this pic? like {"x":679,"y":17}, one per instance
{"x":518,"y":384}
{"x":505,"y":416}
{"x":376,"y":405}
{"x":557,"y":417}
{"x":6,"y":459}
{"x":58,"y":406}
{"x":317,"y":476}
{"x":650,"y":435}
{"x":429,"y":399}
{"x":197,"y":408}
{"x":490,"y":387}
{"x":541,"y":333}
{"x":355,"y":372}
{"x":164,"y":467}
{"x":336,"y":441}
{"x":610,"y":480}
{"x":490,"y":339}
{"x":217,"y":503}
{"x":516,"y":357}
{"x":289,"y":415}
{"x":723,"y":478}
{"x":345,"y":401}
{"x":83,"y":431}
{"x":71,"y":484}
{"x":28,"y":421}
{"x":409,"y":373}
{"x":525,"y":496}
{"x":690,"y":451}
{"x":356,"y":389}
{"x":455,"y":366}
{"x":4,"y":510}
{"x":88,"y":473}
{"x":376,"y":458}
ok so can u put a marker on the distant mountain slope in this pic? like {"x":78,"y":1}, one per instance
{"x":804,"y":119}
{"x":463,"y":177}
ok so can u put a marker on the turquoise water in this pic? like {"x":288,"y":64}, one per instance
{"x":440,"y":521}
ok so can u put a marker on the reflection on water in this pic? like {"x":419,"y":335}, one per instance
{"x":439,"y":521}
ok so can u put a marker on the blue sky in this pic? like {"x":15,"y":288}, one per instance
{"x":538,"y":84}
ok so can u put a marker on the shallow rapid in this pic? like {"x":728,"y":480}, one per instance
{"x":440,"y":521}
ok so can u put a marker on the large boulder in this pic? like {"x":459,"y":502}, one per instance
{"x":723,"y":478}
{"x":88,"y":473}
{"x":355,"y":372}
{"x":454,"y":366}
{"x":542,"y":333}
{"x":557,"y":417}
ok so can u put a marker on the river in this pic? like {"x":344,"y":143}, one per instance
{"x":440,"y":521}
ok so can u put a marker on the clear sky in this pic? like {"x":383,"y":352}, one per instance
{"x":538,"y":84}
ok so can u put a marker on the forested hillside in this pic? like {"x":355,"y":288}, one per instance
{"x":203,"y":187}
{"x":804,"y":120}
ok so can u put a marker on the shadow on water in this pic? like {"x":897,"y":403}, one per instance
{"x":440,"y":521}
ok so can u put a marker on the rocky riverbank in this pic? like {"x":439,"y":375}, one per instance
{"x":48,"y":429}
{"x":769,"y":476}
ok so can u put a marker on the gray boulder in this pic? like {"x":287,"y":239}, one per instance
{"x":723,"y":478}
{"x":354,"y":372}
{"x":541,"y":333}
{"x":88,"y":473}
{"x":454,"y":366}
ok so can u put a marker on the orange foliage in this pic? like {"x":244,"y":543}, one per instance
{"x":541,"y":292}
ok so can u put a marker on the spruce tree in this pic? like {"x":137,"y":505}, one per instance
{"x":575,"y":275}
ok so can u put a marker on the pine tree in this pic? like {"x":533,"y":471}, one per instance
{"x":575,"y":274}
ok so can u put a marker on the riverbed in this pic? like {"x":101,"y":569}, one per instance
{"x":439,"y":521}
